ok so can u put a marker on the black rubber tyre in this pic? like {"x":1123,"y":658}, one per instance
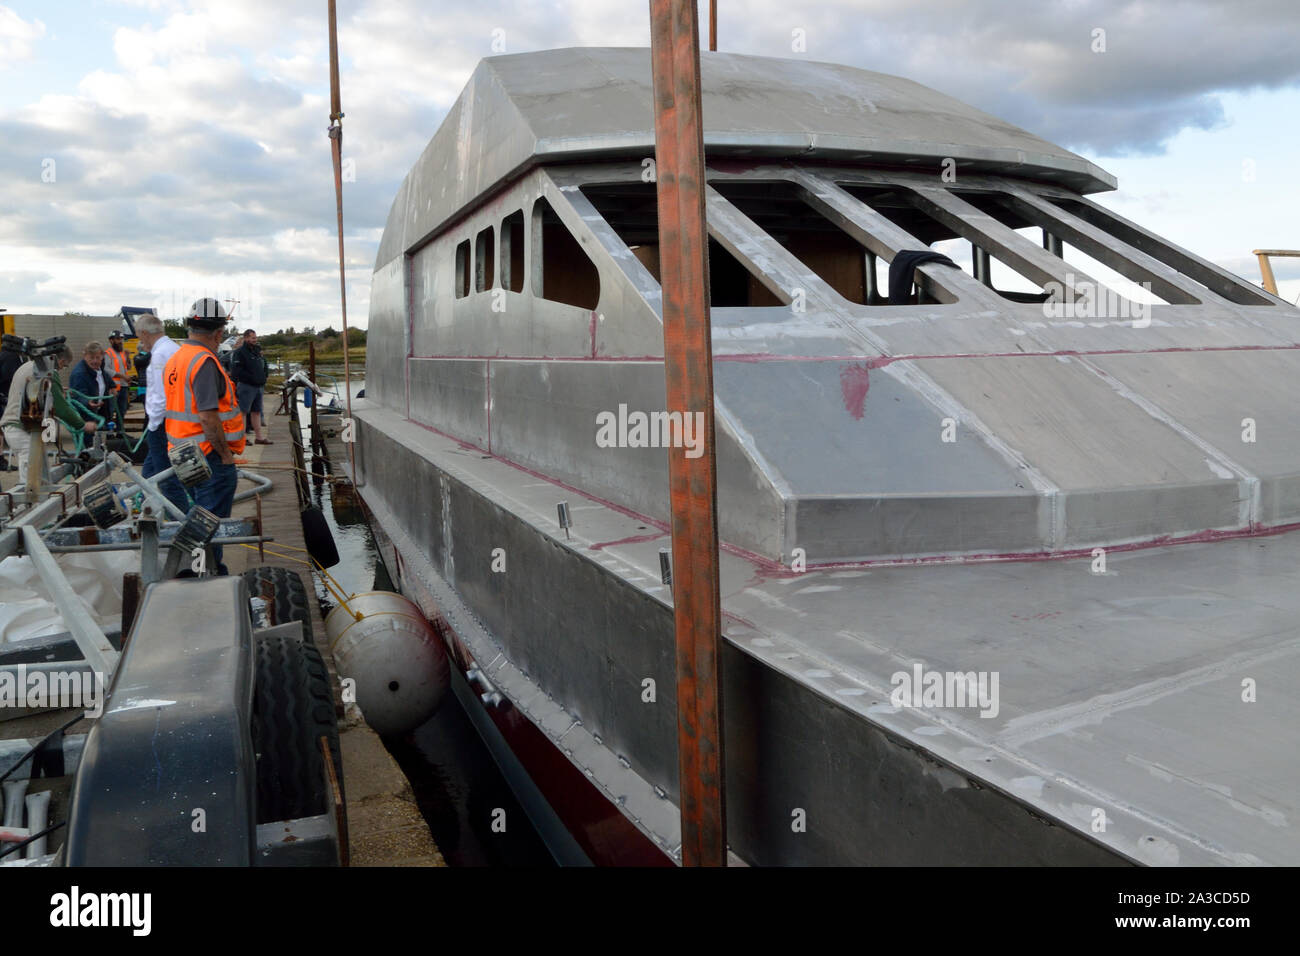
{"x":283,"y":598}
{"x":318,"y":537}
{"x":293,"y":707}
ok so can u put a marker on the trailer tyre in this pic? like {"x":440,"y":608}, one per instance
{"x":293,"y":707}
{"x":283,"y":598}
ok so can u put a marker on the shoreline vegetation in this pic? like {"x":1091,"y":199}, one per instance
{"x":274,"y":356}
{"x":293,"y":345}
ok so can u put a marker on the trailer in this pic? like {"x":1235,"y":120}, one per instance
{"x":202,"y":731}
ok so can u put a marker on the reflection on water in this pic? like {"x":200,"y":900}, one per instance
{"x":455,"y":781}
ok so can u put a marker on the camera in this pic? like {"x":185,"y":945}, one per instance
{"x":33,"y":349}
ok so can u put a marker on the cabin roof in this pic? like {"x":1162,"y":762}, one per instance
{"x":588,"y":103}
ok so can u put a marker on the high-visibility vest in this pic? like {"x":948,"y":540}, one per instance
{"x":118,"y":363}
{"x":183,"y":421}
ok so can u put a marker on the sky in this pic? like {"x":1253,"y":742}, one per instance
{"x":155,"y":150}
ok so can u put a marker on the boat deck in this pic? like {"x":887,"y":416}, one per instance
{"x":1147,"y":708}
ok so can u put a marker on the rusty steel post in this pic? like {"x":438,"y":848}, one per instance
{"x":688,"y":372}
{"x":713,"y":25}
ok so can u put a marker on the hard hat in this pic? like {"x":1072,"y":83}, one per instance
{"x":207,"y":314}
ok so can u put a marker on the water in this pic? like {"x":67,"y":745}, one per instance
{"x":456,"y":783}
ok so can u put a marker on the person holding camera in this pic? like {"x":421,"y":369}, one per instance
{"x":16,"y":436}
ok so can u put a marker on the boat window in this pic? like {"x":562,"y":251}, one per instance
{"x":462,"y":270}
{"x":562,"y":272}
{"x":1037,"y":229}
{"x":632,"y":211}
{"x":732,"y":284}
{"x":779,"y":209}
{"x":900,"y":206}
{"x":1226,"y":286}
{"x":512,"y":252}
{"x":484,"y":260}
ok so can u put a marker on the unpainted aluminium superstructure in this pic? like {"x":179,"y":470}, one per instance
{"x":515,"y":305}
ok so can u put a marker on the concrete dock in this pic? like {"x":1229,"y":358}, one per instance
{"x":385,"y":827}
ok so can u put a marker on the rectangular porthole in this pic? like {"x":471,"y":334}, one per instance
{"x":462,"y":270}
{"x":512,"y":252}
{"x":484,"y":260}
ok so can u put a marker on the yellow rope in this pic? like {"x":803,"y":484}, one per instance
{"x":331,"y":584}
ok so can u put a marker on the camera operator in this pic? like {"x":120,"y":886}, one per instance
{"x":16,"y":435}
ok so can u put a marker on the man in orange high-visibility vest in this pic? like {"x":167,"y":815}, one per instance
{"x":201,"y":406}
{"x":118,"y":364}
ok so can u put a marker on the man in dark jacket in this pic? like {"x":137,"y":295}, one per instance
{"x":90,"y":379}
{"x":248,"y":371}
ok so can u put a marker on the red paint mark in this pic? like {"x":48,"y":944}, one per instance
{"x":487,"y":391}
{"x":634,"y":539}
{"x":855,"y":382}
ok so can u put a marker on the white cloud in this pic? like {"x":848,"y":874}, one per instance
{"x":17,"y":36}
{"x":198,"y":147}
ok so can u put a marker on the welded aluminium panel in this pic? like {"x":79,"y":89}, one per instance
{"x":1230,"y":398}
{"x":861,"y":459}
{"x":585,"y":638}
{"x":451,"y":395}
{"x":868,"y":527}
{"x":841,"y":427}
{"x":1125,"y":691}
{"x":544,"y":417}
{"x":386,"y":343}
{"x":571,"y":104}
{"x":810,"y":783}
{"x":1074,"y":427}
{"x":584,"y":628}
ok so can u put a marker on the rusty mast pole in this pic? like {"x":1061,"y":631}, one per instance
{"x":688,"y":373}
{"x":713,"y":25}
{"x":336,"y":150}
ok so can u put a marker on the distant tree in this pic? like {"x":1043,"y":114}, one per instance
{"x":356,"y":337}
{"x":329,"y":332}
{"x":176,"y":329}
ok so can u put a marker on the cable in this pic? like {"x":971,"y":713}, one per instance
{"x":46,"y":739}
{"x":33,"y":838}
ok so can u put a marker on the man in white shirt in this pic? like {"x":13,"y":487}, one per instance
{"x":149,"y":328}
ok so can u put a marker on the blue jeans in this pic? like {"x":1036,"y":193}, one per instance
{"x":217,"y":494}
{"x":157,"y":461}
